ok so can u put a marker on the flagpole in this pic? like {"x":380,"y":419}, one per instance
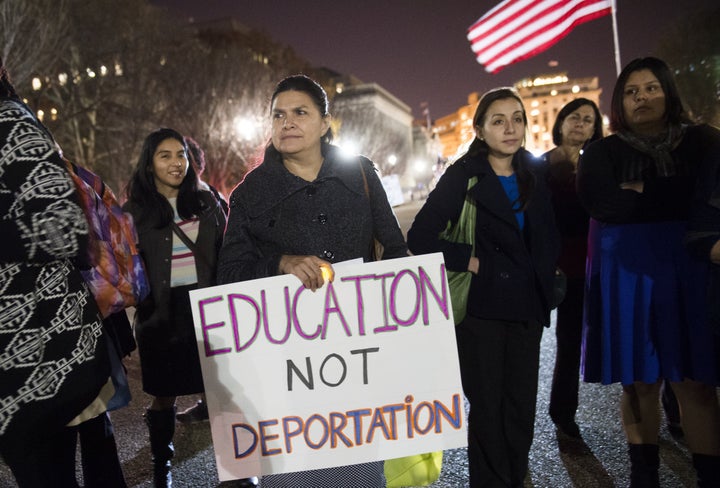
{"x":618,"y":65}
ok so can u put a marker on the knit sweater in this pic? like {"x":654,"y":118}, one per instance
{"x":53,"y":358}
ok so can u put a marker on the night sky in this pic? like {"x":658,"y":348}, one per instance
{"x":418,"y":51}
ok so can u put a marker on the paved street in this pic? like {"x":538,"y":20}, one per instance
{"x":555,"y":461}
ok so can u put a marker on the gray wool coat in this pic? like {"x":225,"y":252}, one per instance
{"x":273,"y":212}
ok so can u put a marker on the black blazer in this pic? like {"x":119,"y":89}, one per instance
{"x":516,"y":272}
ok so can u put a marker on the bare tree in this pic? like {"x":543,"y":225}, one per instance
{"x":228,"y":78}
{"x":32,"y":33}
{"x":691,"y":49}
{"x":105,"y":86}
{"x":127,"y":68}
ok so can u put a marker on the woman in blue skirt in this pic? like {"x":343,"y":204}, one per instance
{"x":645,"y":316}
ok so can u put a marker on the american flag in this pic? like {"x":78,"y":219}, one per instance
{"x":519,"y":29}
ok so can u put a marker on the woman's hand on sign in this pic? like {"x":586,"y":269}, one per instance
{"x":311,"y":270}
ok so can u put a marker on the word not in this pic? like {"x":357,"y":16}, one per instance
{"x":350,"y":429}
{"x":417,"y":288}
{"x":308,"y":378}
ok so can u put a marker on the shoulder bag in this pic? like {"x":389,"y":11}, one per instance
{"x":463,"y":231}
{"x":376,"y":248}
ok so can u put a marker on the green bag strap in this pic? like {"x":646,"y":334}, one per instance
{"x":463,"y":231}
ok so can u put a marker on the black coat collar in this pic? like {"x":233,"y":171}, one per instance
{"x":271,"y":183}
{"x":489,"y":192}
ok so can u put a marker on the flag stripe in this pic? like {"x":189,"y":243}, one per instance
{"x":518,"y":29}
{"x":517,"y":12}
{"x":540,"y":39}
{"x":524,"y":24}
{"x":529,"y":21}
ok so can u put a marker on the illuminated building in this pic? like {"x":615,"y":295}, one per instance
{"x":543,"y":97}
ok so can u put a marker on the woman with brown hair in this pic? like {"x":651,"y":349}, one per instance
{"x":512,"y":266}
{"x":577,"y":125}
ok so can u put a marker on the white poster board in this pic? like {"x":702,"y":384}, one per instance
{"x":363,"y":369}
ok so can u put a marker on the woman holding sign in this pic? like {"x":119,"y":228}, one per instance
{"x":180,"y":231}
{"x":516,"y":245}
{"x":303,"y":209}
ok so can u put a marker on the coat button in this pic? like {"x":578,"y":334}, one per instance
{"x":504,"y":275}
{"x":329,"y":254}
{"x":310,"y":191}
{"x":497,"y":248}
{"x":322,"y":218}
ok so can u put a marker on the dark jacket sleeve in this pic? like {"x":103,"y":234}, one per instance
{"x":213,"y":221}
{"x":600,"y":193}
{"x":240,"y":258}
{"x":704,"y":225}
{"x":443,"y":205}
{"x":385,"y":224}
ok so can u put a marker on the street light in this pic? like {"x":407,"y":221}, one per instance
{"x":244,"y":127}
{"x":348,"y":148}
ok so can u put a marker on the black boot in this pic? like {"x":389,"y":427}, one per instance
{"x":707,"y":469}
{"x":644,"y":464}
{"x":161,"y":424}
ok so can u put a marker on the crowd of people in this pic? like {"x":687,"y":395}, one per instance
{"x":631,"y":220}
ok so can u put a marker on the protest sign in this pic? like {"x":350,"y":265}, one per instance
{"x":363,"y":369}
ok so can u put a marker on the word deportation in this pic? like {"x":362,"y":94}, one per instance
{"x":404,"y":298}
{"x":352,"y":428}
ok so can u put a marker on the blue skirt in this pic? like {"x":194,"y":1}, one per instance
{"x":645,"y":315}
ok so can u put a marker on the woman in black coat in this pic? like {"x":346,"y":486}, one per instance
{"x":164,"y":191}
{"x":303,"y":209}
{"x":513,"y":265}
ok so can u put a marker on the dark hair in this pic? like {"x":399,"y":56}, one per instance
{"x":310,"y":87}
{"x":674,"y":112}
{"x":6,"y":87}
{"x":142,"y":192}
{"x":525,"y":178}
{"x":569,"y":108}
{"x":196,"y":155}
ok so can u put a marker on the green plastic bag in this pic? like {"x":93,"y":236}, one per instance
{"x":462,"y":232}
{"x":417,"y":470}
